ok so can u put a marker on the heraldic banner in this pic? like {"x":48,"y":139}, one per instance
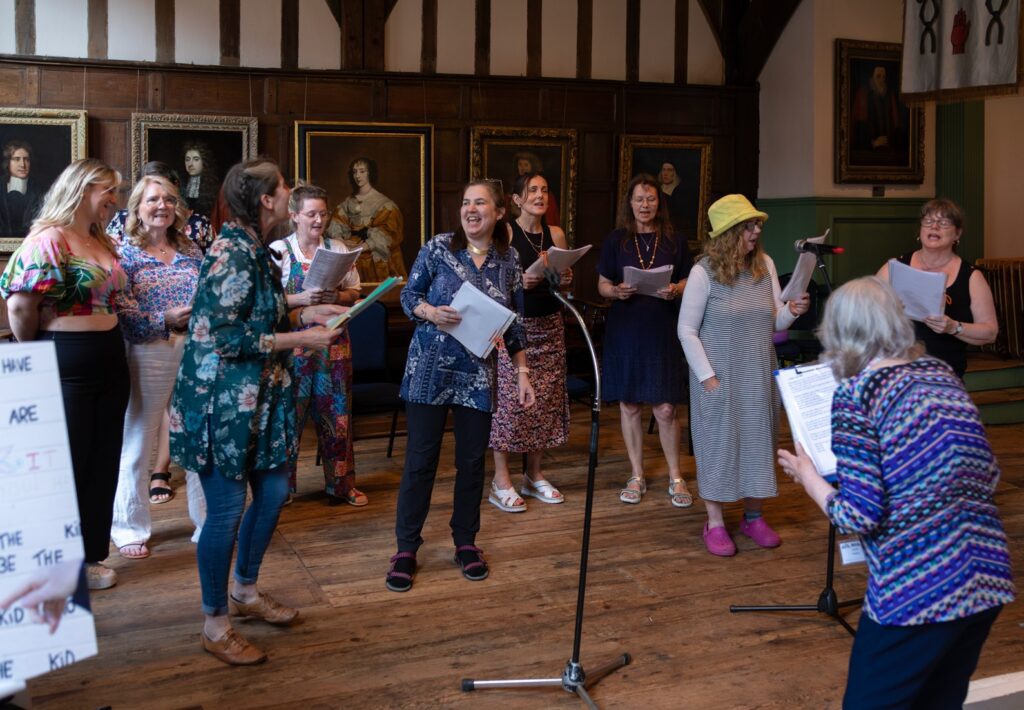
{"x":955,"y":45}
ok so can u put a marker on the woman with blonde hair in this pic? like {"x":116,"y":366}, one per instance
{"x":64,"y":284}
{"x":730,"y":309}
{"x":163,"y":269}
{"x":917,"y":479}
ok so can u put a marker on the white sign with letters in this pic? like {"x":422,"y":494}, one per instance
{"x":39,"y":521}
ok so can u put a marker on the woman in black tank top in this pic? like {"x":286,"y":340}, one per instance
{"x":970,"y":314}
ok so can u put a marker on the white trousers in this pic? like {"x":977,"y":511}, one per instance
{"x":153,"y":367}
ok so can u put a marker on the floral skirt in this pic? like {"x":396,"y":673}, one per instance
{"x":546,"y":424}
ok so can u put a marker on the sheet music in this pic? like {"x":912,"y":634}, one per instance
{"x":557,"y":260}
{"x":484,"y":320}
{"x":922,"y":293}
{"x":807,"y":396}
{"x":802,"y":272}
{"x":39,"y":521}
{"x":647,"y":282}
{"x":328,"y":268}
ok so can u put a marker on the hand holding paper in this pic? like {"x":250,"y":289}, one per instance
{"x":483,"y":320}
{"x":648,"y":282}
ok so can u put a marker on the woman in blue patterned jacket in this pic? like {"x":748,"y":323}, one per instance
{"x":440,"y":374}
{"x":916,"y":482}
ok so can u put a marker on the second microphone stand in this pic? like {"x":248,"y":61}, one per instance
{"x":573,"y":679}
{"x":828,"y":602}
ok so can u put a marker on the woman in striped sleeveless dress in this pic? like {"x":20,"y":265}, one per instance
{"x":730,"y":309}
{"x":916,"y":482}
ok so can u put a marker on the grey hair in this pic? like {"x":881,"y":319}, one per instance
{"x":864,"y":320}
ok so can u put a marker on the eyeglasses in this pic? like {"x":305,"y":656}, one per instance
{"x":751,"y":224}
{"x":314,"y":215}
{"x":169,"y":201}
{"x":943,"y":223}
{"x":645,"y":200}
{"x":499,"y":186}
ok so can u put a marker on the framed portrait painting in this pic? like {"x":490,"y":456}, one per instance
{"x":682,"y":167}
{"x":504,"y":153}
{"x":37,"y":145}
{"x":200,"y":148}
{"x":378,"y":178}
{"x":879,"y":139}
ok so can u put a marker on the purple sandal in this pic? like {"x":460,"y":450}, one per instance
{"x":403,"y":568}
{"x":471,"y":559}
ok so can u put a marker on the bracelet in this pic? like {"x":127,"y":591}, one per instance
{"x":523,"y":370}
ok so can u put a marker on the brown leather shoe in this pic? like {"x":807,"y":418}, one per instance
{"x":234,"y":649}
{"x":266,"y":608}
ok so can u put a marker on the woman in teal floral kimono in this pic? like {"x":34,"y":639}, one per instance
{"x":233,"y":416}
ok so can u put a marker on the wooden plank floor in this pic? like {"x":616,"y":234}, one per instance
{"x":653,"y":592}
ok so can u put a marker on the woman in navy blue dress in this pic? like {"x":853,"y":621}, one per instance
{"x":643,"y":362}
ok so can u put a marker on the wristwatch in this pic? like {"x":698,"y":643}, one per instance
{"x":959,"y":328}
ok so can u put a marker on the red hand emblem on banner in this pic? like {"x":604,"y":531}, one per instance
{"x":961,"y":28}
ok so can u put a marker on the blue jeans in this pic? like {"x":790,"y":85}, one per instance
{"x":225,"y":500}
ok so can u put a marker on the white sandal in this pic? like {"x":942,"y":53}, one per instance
{"x":542,"y":490}
{"x":632,"y":496}
{"x":505,"y":499}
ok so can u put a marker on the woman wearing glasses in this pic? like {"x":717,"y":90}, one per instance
{"x":970,"y":315}
{"x":730,"y":309}
{"x":641,"y":360}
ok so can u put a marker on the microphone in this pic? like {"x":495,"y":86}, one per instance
{"x":806,"y":245}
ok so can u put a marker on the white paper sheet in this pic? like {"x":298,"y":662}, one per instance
{"x":802,"y":272}
{"x":328,"y":268}
{"x":807,"y":396}
{"x":558,"y":260}
{"x":923,"y":293}
{"x":484,"y":320}
{"x":647,"y":282}
{"x":39,"y":521}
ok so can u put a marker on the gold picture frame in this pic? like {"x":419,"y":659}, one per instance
{"x":503,"y":152}
{"x":221,"y":141}
{"x":54,"y":138}
{"x":392,"y":216}
{"x":690,"y":160}
{"x":879,"y":139}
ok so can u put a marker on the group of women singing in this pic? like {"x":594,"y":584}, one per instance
{"x":257,"y":360}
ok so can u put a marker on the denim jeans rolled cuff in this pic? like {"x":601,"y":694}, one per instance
{"x":225,"y":499}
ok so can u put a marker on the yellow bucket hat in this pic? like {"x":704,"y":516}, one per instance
{"x":729,"y":211}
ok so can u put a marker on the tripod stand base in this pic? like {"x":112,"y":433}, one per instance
{"x":827,"y":604}
{"x":574,"y":679}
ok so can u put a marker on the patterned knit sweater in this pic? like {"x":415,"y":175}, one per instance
{"x":916,"y":477}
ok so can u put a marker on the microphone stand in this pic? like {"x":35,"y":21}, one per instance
{"x":573,"y":679}
{"x":828,"y":601}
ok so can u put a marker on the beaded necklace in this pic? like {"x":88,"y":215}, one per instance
{"x":653,"y":252}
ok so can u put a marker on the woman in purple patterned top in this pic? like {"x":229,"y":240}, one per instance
{"x":162,"y":265}
{"x":916,"y":482}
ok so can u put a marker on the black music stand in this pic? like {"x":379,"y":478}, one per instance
{"x":573,"y":679}
{"x":828,"y":602}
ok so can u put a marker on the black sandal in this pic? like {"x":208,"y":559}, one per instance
{"x":471,"y":559}
{"x":160,"y":490}
{"x":403,"y":568}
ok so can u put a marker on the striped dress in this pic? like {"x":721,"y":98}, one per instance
{"x":726,"y":331}
{"x":916,"y":478}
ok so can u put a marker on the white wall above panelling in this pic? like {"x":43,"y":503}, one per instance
{"x":260,"y":34}
{"x":608,"y":59}
{"x":196,"y":32}
{"x":403,"y":36}
{"x":558,"y":40}
{"x":131,"y":30}
{"x":62,"y":28}
{"x":319,"y":36}
{"x":8,"y":43}
{"x":704,"y":63}
{"x":657,"y":40}
{"x":456,"y":36}
{"x":508,"y":38}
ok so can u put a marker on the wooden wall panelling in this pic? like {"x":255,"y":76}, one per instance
{"x":598,"y":159}
{"x":504,"y":105}
{"x":451,"y":155}
{"x":154,"y":97}
{"x":688,"y":112}
{"x":31,"y":85}
{"x":211,"y":93}
{"x":12,"y":86}
{"x":109,"y":141}
{"x":567,"y":106}
{"x":268,"y":84}
{"x":416,"y":101}
{"x":324,"y":99}
{"x":61,"y":87}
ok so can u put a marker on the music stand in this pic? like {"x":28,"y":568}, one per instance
{"x":573,"y":679}
{"x":828,"y":602}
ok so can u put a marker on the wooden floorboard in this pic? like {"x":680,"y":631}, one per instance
{"x":652,"y":592}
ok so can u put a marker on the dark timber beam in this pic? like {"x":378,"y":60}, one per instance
{"x":746,"y":32}
{"x":164,"y":11}
{"x":482,"y":50}
{"x":25,"y":26}
{"x":362,"y":25}
{"x":230,"y":32}
{"x":97,"y":28}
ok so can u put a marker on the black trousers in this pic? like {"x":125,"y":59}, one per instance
{"x":926,"y":667}
{"x":426,"y":430}
{"x":95,"y":384}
